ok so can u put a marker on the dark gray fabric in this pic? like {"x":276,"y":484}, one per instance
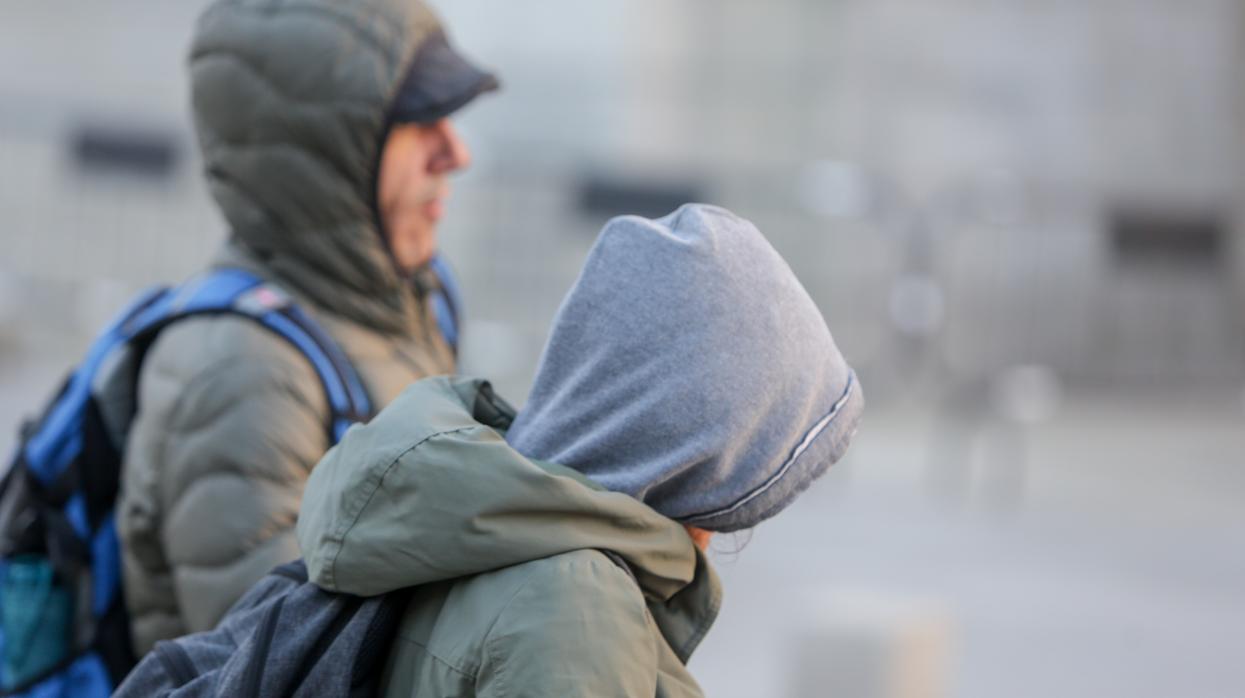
{"x":285,"y":637}
{"x":439,"y":82}
{"x":689,"y":368}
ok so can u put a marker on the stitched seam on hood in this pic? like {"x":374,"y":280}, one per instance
{"x":366,"y":494}
{"x":805,"y":442}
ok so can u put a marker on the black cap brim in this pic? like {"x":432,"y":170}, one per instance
{"x":439,"y":82}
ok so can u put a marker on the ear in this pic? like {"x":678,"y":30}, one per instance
{"x":699,"y":536}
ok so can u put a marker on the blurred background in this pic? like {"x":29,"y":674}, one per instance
{"x":1021,"y":219}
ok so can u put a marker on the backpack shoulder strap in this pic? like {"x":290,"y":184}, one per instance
{"x":446,"y":301}
{"x":52,"y":441}
{"x":237,"y":292}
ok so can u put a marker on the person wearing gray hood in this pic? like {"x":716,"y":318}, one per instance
{"x":689,"y":386}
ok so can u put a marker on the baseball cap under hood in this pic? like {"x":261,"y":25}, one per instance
{"x":439,"y":82}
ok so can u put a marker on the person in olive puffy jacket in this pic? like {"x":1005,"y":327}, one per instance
{"x":689,"y":386}
{"x":326,"y":144}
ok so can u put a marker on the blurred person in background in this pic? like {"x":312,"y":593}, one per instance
{"x":689,"y":385}
{"x":326,"y":143}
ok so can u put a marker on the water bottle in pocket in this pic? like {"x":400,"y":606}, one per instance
{"x":36,"y":614}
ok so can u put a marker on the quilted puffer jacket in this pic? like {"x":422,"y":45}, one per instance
{"x":289,"y":101}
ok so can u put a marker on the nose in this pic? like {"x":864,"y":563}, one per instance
{"x":452,"y":153}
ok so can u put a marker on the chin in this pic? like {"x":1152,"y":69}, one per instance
{"x":414,"y":251}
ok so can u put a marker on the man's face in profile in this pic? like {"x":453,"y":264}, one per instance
{"x":414,"y":184}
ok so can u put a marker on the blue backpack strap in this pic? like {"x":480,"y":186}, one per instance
{"x":348,"y":398}
{"x":446,"y":301}
{"x":72,"y":466}
{"x":239,"y":292}
{"x":49,"y":451}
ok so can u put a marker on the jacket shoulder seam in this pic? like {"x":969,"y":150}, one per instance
{"x":467,"y":674}
{"x":523,"y":584}
{"x":489,"y":645}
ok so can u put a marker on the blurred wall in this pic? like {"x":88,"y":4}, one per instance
{"x":947,"y":177}
{"x":1021,"y":219}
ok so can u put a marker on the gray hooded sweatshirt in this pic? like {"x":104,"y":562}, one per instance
{"x":690,"y":369}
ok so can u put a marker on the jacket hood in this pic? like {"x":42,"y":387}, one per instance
{"x":429,"y":490}
{"x":290,"y":105}
{"x":689,"y":368}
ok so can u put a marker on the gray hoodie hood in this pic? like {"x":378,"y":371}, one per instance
{"x":688,"y":368}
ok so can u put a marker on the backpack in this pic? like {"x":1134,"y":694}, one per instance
{"x":284,"y":637}
{"x":64,"y":630}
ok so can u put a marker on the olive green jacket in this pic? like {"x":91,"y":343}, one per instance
{"x":529,"y":580}
{"x":290,"y":108}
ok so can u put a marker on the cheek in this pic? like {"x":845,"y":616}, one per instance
{"x":411,"y":238}
{"x":395,"y":170}
{"x":395,"y":198}
{"x":405,"y":227}
{"x":389,"y":190}
{"x":404,"y":189}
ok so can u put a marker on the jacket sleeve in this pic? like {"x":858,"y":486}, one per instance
{"x":577,"y":627}
{"x":230,"y":423}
